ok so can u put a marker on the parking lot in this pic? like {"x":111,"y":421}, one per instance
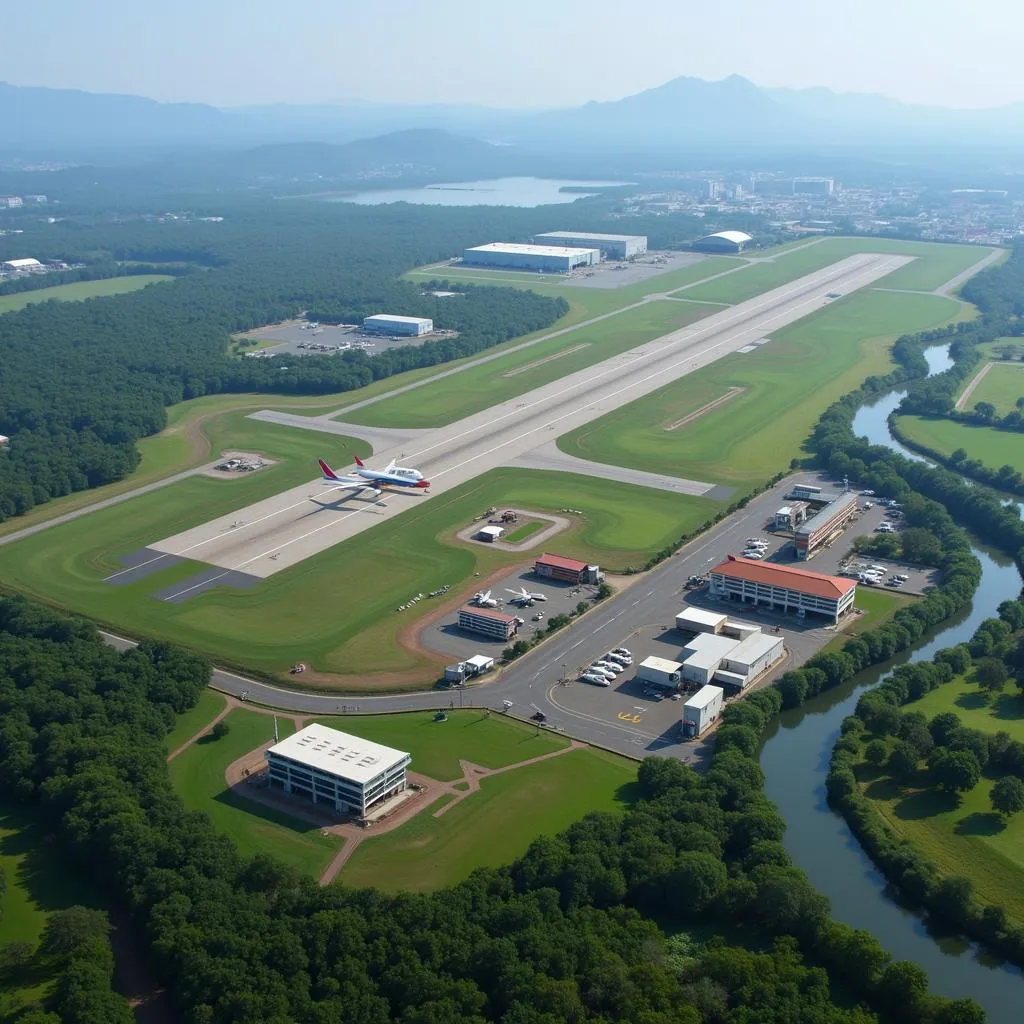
{"x":447,"y":638}
{"x":612,"y":274}
{"x":327,"y":340}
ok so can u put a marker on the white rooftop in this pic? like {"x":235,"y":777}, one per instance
{"x":491,"y":531}
{"x":660,"y":664}
{"x":592,"y":236}
{"x":27,"y":262}
{"x":529,"y":250}
{"x":703,"y":697}
{"x":711,"y":643}
{"x":755,"y":646}
{"x":338,"y":753}
{"x":701,"y":615}
{"x":480,"y":661}
{"x":737,"y":237}
{"x":395,"y":318}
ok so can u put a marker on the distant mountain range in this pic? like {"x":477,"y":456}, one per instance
{"x":679,"y":116}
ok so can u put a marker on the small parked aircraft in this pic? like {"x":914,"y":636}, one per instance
{"x":524,"y":597}
{"x":483,"y":599}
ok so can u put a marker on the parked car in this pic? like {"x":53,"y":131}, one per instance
{"x":902,"y":577}
{"x":618,"y":659}
{"x":594,"y":679}
{"x":597,"y":670}
{"x":609,"y":666}
{"x":754,"y":554}
{"x":866,"y":507}
{"x":623,"y":650}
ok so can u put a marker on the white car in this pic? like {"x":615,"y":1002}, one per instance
{"x":878,"y":568}
{"x":618,"y":659}
{"x":754,"y":556}
{"x":757,"y":545}
{"x":623,"y":650}
{"x":598,"y":671}
{"x":595,"y":680}
{"x":755,"y":540}
{"x":609,"y":666}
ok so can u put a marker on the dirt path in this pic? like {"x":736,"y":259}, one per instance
{"x":961,"y":402}
{"x":705,"y":409}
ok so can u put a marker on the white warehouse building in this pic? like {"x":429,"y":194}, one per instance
{"x":613,"y":247}
{"x":555,"y":258}
{"x":701,"y":710}
{"x":404,"y":326}
{"x":331,"y":767}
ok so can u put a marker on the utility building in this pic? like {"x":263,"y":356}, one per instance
{"x":404,"y":326}
{"x":565,"y":570}
{"x":331,"y":767}
{"x":553,"y":258}
{"x":723,"y":241}
{"x":659,"y":672}
{"x":612,"y":247}
{"x":701,"y":710}
{"x":783,"y":587}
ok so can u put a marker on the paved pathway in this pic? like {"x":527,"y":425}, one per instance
{"x":953,"y":283}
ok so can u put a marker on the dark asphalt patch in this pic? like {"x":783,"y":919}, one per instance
{"x":204,"y":581}
{"x":140,"y":564}
{"x":719,"y":493}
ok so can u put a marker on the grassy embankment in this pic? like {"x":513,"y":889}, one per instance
{"x":787,"y":383}
{"x":876,"y":607}
{"x":994,"y":448}
{"x":312,"y":612}
{"x":962,"y":835}
{"x":78,"y":290}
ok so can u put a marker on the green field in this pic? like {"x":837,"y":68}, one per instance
{"x":312,"y":612}
{"x":495,"y":825}
{"x":1003,"y":385}
{"x":198,"y":778}
{"x":79,"y":290}
{"x":933,"y":266}
{"x":994,"y":448}
{"x":787,"y":384}
{"x":878,"y":606}
{"x":963,"y":837}
{"x":490,"y":741}
{"x":525,"y":531}
{"x":485,"y":386}
{"x":39,"y":880}
{"x":209,"y":705}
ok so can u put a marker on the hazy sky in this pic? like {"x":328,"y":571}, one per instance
{"x":523,"y":53}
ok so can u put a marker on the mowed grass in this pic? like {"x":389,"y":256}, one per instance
{"x":210,"y":704}
{"x":198,"y":778}
{"x":963,"y":836}
{"x":876,"y":606}
{"x":787,"y":384}
{"x":994,"y":448}
{"x":933,"y":266}
{"x":491,"y":741}
{"x":78,"y":290}
{"x":495,"y":825}
{"x":1002,"y":385}
{"x":314,"y":612}
{"x":40,"y":880}
{"x":485,"y":386}
{"x":526,"y":531}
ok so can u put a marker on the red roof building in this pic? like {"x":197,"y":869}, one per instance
{"x":488,"y":622}
{"x":557,"y":567}
{"x":783,"y":587}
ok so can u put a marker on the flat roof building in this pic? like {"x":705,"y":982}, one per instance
{"x":404,"y":326}
{"x":552,"y":258}
{"x":614,"y":247}
{"x":723,"y":241}
{"x":825,"y":525}
{"x":23,"y":264}
{"x":700,"y":620}
{"x":703,"y":656}
{"x":488,"y":622}
{"x":783,"y":587}
{"x":490,"y":533}
{"x":659,"y":672}
{"x":702,"y":709}
{"x":331,"y":767}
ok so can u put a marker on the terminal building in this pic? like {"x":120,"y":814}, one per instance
{"x":825,"y":525}
{"x":723,"y":241}
{"x":331,"y":767}
{"x":403,"y":326}
{"x":611,"y":247}
{"x":555,"y":259}
{"x":782,"y":587}
{"x":487,"y":622}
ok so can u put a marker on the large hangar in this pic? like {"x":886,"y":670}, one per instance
{"x":556,"y":258}
{"x":613,"y":247}
{"x":723,"y":241}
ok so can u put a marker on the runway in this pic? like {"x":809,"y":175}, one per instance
{"x":282,"y":531}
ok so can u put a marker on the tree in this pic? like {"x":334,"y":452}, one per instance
{"x":67,"y":930}
{"x":1007,"y":795}
{"x":220,"y":730}
{"x":991,"y":675}
{"x":876,"y":752}
{"x":985,"y":411}
{"x":696,"y":882}
{"x":903,"y":761}
{"x":955,"y":770}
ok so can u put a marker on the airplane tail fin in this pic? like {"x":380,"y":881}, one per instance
{"x":359,"y":462}
{"x":328,"y":473}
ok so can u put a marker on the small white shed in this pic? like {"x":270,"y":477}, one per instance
{"x":702,"y":709}
{"x":490,"y":533}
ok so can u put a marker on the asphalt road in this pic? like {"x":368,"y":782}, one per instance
{"x":532,"y":683}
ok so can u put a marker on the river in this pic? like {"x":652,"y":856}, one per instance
{"x":795,"y":760}
{"x":493,"y":192}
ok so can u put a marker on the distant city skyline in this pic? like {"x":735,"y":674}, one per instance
{"x":956,"y":53}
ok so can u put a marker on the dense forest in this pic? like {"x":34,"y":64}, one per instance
{"x":563,"y":934}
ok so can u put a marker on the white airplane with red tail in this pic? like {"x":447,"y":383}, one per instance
{"x":365,"y":479}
